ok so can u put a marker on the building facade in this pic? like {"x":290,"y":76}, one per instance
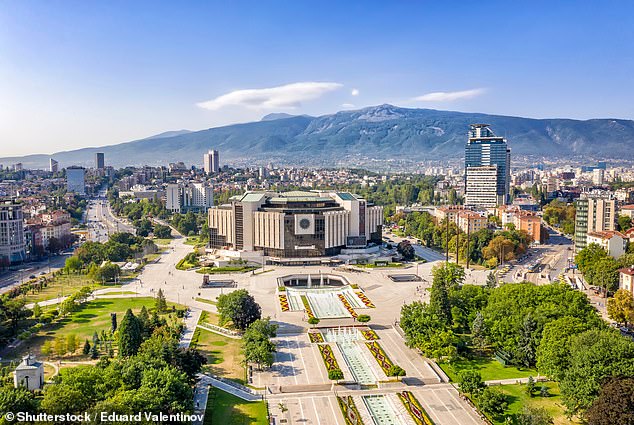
{"x":480,"y":187}
{"x":100,"y":162}
{"x":596,"y":212}
{"x":12,"y":242}
{"x":29,"y":374}
{"x":613,"y":242}
{"x":184,"y":197}
{"x":76,"y":180}
{"x":295,"y":224}
{"x":53,"y":165}
{"x":485,"y":149}
{"x":211,"y":162}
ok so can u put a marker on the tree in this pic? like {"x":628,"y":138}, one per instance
{"x":113,"y":322}
{"x":335,"y":374}
{"x":439,"y":302}
{"x":553,"y":351}
{"x":588,"y":256}
{"x":500,"y":248}
{"x":534,"y":416}
{"x":528,"y":342}
{"x":257,"y":344}
{"x":71,"y":343}
{"x":478,"y":331}
{"x":239,"y":307}
{"x":73,"y":264}
{"x":491,"y":281}
{"x":624,"y":222}
{"x":16,"y":400}
{"x":94,"y":353}
{"x":313,"y":321}
{"x":620,"y":307}
{"x":544,"y":391}
{"x":108,"y":272}
{"x":37,"y":311}
{"x":396,"y":370}
{"x":492,"y":401}
{"x":160,"y":304}
{"x":129,"y":335}
{"x":470,"y":382}
{"x":615,"y":403}
{"x":530,"y":386}
{"x":406,"y":250}
{"x":162,"y":232}
{"x":86,"y":349}
{"x":595,"y":355}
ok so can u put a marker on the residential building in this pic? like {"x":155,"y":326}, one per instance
{"x":596,"y":212}
{"x":12,"y":242}
{"x":627,"y":210}
{"x":531,"y":223}
{"x":450,"y":212}
{"x":481,"y":189}
{"x":295,"y":224}
{"x":53,"y":166}
{"x":598,"y":176}
{"x":485,"y":149}
{"x":184,"y":197}
{"x":613,"y":242}
{"x":211,"y":162}
{"x":100,"y":161}
{"x":471,"y":222}
{"x":626,"y":279}
{"x":76,"y":180}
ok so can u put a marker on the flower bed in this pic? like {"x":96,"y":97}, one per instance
{"x":329,"y":357}
{"x":350,"y":412}
{"x":365,"y":299}
{"x":347,"y":305}
{"x":309,"y":311}
{"x":369,"y":335}
{"x":413,"y":406}
{"x":380,"y":356}
{"x":284,"y":302}
{"x":315,"y":337}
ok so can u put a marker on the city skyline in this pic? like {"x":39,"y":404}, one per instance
{"x":96,"y":74}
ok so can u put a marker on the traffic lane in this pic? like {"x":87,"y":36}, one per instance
{"x":16,"y":277}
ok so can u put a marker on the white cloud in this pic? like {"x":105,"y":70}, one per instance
{"x":355,"y":92}
{"x":347,"y":105}
{"x":442,"y":96}
{"x":287,"y":96}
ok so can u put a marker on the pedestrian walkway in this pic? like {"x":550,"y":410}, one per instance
{"x":190,"y":322}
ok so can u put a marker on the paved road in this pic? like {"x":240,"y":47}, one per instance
{"x":12,"y":278}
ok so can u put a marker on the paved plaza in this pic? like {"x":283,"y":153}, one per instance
{"x":299,"y":378}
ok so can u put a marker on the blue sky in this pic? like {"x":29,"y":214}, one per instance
{"x":89,"y":73}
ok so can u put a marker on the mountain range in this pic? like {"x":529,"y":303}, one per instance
{"x":378,"y":132}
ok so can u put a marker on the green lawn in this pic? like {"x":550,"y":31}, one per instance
{"x":61,"y":285}
{"x":224,"y":408}
{"x":93,"y":316}
{"x":194,"y":241}
{"x":224,"y":355}
{"x":204,"y":300}
{"x":489,"y":368}
{"x":161,"y":242}
{"x":518,"y":399}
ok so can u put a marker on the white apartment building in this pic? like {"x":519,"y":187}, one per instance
{"x":75,"y":180}
{"x":12,"y":242}
{"x":481,"y":189}
{"x":183,"y":197}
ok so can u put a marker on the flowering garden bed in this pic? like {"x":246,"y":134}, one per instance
{"x":284,"y":302}
{"x":329,"y":357}
{"x":350,"y":412}
{"x":365,"y":299}
{"x":347,"y":305}
{"x":309,"y":311}
{"x":315,"y":337}
{"x":369,"y":335}
{"x":380,"y":356}
{"x":413,"y":406}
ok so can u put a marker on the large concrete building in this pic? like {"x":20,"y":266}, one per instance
{"x":76,"y":180}
{"x":485,"y":155}
{"x":211,"y":162}
{"x":184,"y":197}
{"x":295,"y":224}
{"x":12,"y":242}
{"x":596,"y":212}
{"x":53,"y":165}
